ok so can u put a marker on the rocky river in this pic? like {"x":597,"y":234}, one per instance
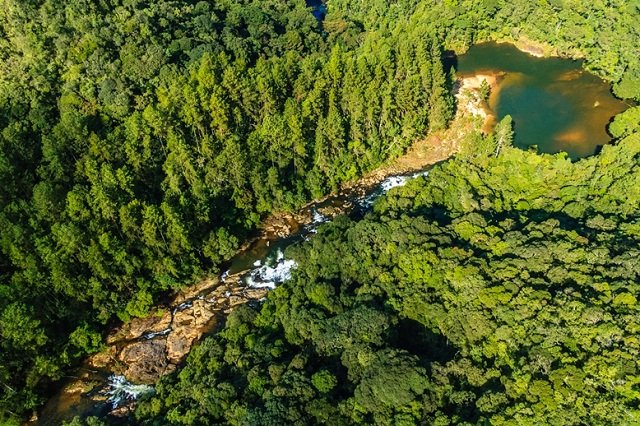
{"x":142,"y":350}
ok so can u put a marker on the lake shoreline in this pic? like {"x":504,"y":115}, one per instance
{"x":556,"y":104}
{"x":529,"y":46}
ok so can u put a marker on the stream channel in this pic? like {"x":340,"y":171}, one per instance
{"x":262,"y":265}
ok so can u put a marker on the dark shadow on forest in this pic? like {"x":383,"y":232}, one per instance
{"x":449,"y":61}
{"x":422,"y":342}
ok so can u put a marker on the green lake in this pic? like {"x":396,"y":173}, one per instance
{"x":556,"y":105}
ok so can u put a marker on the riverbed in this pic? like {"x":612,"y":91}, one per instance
{"x":101,"y":386}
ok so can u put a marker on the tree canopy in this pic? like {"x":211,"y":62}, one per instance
{"x":481,"y":294}
{"x":141,"y":142}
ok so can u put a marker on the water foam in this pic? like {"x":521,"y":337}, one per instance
{"x":121,"y":391}
{"x":267,"y":276}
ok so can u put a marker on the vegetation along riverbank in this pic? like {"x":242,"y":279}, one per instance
{"x":141,"y":144}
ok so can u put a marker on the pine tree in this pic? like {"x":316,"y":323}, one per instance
{"x":440,"y":101}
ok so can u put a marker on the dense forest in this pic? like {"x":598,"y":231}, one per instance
{"x":143,"y":141}
{"x":483,"y":294}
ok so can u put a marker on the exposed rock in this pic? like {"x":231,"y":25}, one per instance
{"x":146,"y":361}
{"x":104,"y":358}
{"x":332,"y":211}
{"x":193,"y":291}
{"x":470,"y":100}
{"x":235,"y":300}
{"x":156,"y":322}
{"x":474,"y":82}
{"x":78,"y":386}
{"x":533,"y":48}
{"x":188,"y":326}
{"x":255,"y":293}
{"x":197,"y":315}
{"x":99,"y":396}
{"x":178,"y":346}
{"x":170,"y":369}
{"x":230,"y":281}
{"x":123,"y":411}
{"x":281,"y":225}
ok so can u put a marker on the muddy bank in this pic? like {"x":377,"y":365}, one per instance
{"x":468,"y":91}
{"x":534,"y":48}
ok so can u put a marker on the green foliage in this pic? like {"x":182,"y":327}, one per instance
{"x":503,"y":133}
{"x":485,"y":90}
{"x":629,"y":85}
{"x":324,"y":381}
{"x":89,"y":421}
{"x":141,"y":142}
{"x":475,"y":295}
{"x":85,"y":340}
{"x":19,"y":328}
{"x":625,"y":123}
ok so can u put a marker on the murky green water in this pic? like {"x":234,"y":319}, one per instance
{"x":555,"y":104}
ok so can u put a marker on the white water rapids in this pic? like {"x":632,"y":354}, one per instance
{"x":121,"y":391}
{"x":269,"y":276}
{"x":386,"y":185}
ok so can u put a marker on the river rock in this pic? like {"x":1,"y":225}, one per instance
{"x":188,"y":326}
{"x":197,"y":315}
{"x":193,"y":291}
{"x":146,"y":360}
{"x":235,"y":300}
{"x":281,"y":226}
{"x":78,"y":386}
{"x":232,"y":280}
{"x":255,"y":293}
{"x":178,"y":346}
{"x":123,"y":411}
{"x":104,"y":358}
{"x":333,"y":211}
{"x":156,"y":322}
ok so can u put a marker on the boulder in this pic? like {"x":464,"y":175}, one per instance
{"x":123,"y":411}
{"x":235,"y":300}
{"x":188,"y":326}
{"x":193,"y":291}
{"x":178,"y":346}
{"x":156,"y":322}
{"x":145,"y":360}
{"x":104,"y":358}
{"x":78,"y":386}
{"x":255,"y":293}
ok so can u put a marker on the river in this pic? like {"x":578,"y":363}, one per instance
{"x":262,"y":264}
